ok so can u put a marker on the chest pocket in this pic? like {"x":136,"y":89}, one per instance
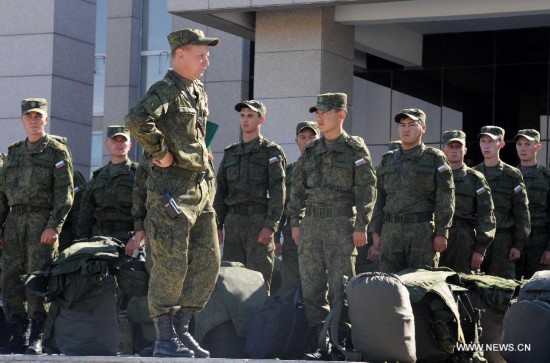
{"x":425,"y":177}
{"x":181,"y":122}
{"x":232,"y":170}
{"x":390,"y":177}
{"x":537,"y":191}
{"x":12,"y":170}
{"x":257,"y":172}
{"x":312,"y":171}
{"x":42,"y":168}
{"x":124,"y":189}
{"x":341,"y":172}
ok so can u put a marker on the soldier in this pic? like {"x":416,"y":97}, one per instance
{"x":250,"y":193}
{"x":511,"y":205}
{"x":69,"y":231}
{"x":306,"y":131}
{"x":474,"y":223}
{"x":331,"y":201}
{"x":536,"y":248}
{"x":38,"y":185}
{"x":415,"y":200}
{"x":106,"y":207}
{"x":170,"y":123}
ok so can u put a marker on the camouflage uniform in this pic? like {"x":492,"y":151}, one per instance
{"x":69,"y":231}
{"x":107,"y":202}
{"x":332,"y":195}
{"x":139,"y":200}
{"x":408,"y":216}
{"x":250,"y":195}
{"x":537,"y":183}
{"x":38,"y":185}
{"x":511,"y":213}
{"x":184,"y":251}
{"x":474,"y":223}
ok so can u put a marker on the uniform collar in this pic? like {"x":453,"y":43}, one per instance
{"x":179,"y":81}
{"x":254,"y":146}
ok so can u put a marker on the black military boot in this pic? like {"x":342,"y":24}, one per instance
{"x":167,"y":343}
{"x":35,"y":337}
{"x":17,"y":342}
{"x":181,"y":324}
{"x":322,"y":352}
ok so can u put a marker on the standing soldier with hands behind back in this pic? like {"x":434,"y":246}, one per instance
{"x":38,"y":185}
{"x":170,"y":123}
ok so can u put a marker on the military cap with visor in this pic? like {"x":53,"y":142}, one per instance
{"x":494,"y":132}
{"x":331,"y":101}
{"x":453,"y":135}
{"x":414,"y":114}
{"x":183,"y":37}
{"x":34,"y":105}
{"x":529,"y":134}
{"x":307,"y":125}
{"x":254,"y":105}
{"x":116,"y":130}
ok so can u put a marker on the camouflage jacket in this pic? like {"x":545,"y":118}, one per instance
{"x":108,"y":198}
{"x":339,"y":175}
{"x":172,"y":117}
{"x":510,"y":201}
{"x":139,"y":194}
{"x":432,"y":191}
{"x":41,"y":178}
{"x":288,"y":184}
{"x":252,"y":176}
{"x":474,"y":204}
{"x":4,"y":207}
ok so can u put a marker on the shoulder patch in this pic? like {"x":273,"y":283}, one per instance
{"x":511,"y":171}
{"x":61,"y":139}
{"x":476,"y":173}
{"x":545,"y":171}
{"x":356,"y":142}
{"x":231,"y":146}
{"x":57,"y":145}
{"x":16,"y":144}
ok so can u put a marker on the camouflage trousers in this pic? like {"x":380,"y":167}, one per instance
{"x":533,"y":249}
{"x":326,"y":254}
{"x":407,"y":245}
{"x":241,"y":244}
{"x":460,"y":247}
{"x":23,"y":253}
{"x":290,"y":270}
{"x":496,"y":260}
{"x":184,"y":252}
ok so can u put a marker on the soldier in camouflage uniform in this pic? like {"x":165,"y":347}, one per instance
{"x":306,"y":131}
{"x":415,"y":200}
{"x":511,"y":205}
{"x":331,"y":201}
{"x":69,"y":231}
{"x":536,"y":248}
{"x":106,"y":207}
{"x":250,"y":193}
{"x":474,"y":223}
{"x":170,"y":123}
{"x":38,"y":186}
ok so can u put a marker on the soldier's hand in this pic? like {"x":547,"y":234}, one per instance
{"x":140,"y":237}
{"x":166,"y":161}
{"x":515,"y":254}
{"x":49,"y":236}
{"x":373,"y":254}
{"x":477,"y":260}
{"x":135,"y":243}
{"x":220,"y":236}
{"x":278,"y":249}
{"x":266,"y":236}
{"x":440,"y":243}
{"x":359,"y":238}
{"x":296,"y":235}
{"x":545,"y":258}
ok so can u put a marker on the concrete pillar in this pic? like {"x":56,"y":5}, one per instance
{"x":122,"y":63}
{"x":299,"y":54}
{"x":48,"y":51}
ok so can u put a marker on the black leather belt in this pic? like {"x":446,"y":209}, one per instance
{"x":22,"y":209}
{"x":247,"y":209}
{"x":325,"y":212}
{"x":409,"y":217}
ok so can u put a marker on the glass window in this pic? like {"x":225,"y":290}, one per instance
{"x":153,"y":68}
{"x":101,"y":26}
{"x":99,"y":84}
{"x":97,"y":150}
{"x":157,"y":24}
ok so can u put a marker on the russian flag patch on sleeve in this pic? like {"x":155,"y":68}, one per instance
{"x":360,"y":162}
{"x":59,"y":164}
{"x":442,"y":168}
{"x":274,"y":160}
{"x":518,"y":188}
{"x":481,"y":190}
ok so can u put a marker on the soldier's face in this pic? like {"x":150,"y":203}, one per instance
{"x":410,"y":132}
{"x":34,"y":123}
{"x":329,"y":120}
{"x":304,"y":137}
{"x":527,"y":150}
{"x":250,"y":120}
{"x":193,"y":60}
{"x":118,"y":146}
{"x":454,"y":151}
{"x":490,"y":147}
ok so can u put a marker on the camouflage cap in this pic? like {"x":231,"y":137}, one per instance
{"x":453,"y":135}
{"x":529,"y":134}
{"x":254,"y":105}
{"x":394,"y":145}
{"x":415,"y":114}
{"x":307,"y":125}
{"x":330,"y":101}
{"x":494,"y":132}
{"x":34,"y":105}
{"x":115,"y":130}
{"x":183,"y":37}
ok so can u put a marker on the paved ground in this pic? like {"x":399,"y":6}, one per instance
{"x":60,"y":358}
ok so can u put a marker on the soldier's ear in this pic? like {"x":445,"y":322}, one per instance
{"x":539,"y":147}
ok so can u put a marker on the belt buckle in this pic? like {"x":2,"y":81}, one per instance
{"x":401,"y":218}
{"x":322,"y":212}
